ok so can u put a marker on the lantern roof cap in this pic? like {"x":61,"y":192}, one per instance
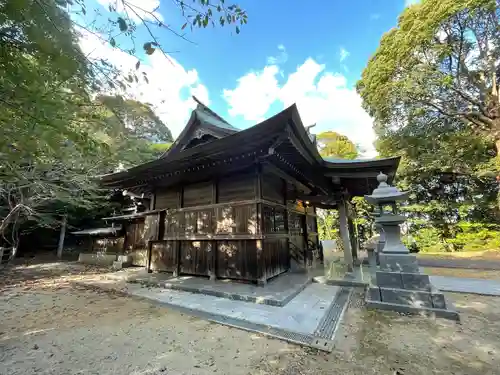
{"x":385,"y":193}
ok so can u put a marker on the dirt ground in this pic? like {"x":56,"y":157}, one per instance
{"x":461,"y":272}
{"x":51,"y":326}
{"x":493,"y":255}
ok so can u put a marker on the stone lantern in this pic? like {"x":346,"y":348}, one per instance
{"x":398,"y":284}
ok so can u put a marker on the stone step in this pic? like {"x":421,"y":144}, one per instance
{"x":403,"y":280}
{"x":415,"y":298}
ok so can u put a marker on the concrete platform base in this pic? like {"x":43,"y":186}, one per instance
{"x":311,"y":318}
{"x":101,"y":259}
{"x":277,"y":292}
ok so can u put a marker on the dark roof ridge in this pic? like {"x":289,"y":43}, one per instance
{"x":206,"y":109}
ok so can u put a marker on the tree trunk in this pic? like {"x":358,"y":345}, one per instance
{"x":62,"y":234}
{"x":497,"y":146}
{"x":497,"y":171}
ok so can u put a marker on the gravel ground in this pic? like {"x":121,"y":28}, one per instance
{"x":51,"y":326}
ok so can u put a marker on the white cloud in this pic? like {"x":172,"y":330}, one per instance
{"x":322,"y":97}
{"x":280,"y":58}
{"x":255,"y":93}
{"x":411,"y":2}
{"x":135,"y":9}
{"x":374,"y":16}
{"x":167,"y":80}
{"x":344,"y":54}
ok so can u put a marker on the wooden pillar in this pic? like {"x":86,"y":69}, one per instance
{"x":261,"y":263}
{"x":344,"y":234}
{"x":212,"y":269}
{"x":62,"y":234}
{"x":261,"y":260}
{"x":177,"y":256}
{"x":177,"y":243}
{"x":353,"y":239}
{"x":307,"y":255}
{"x":287,"y":227}
{"x":125,"y":238}
{"x":152,"y":201}
{"x":149,"y":253}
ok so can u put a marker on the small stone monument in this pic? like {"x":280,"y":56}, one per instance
{"x":398,"y":284}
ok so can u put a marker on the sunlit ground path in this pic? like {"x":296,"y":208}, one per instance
{"x":51,"y":325}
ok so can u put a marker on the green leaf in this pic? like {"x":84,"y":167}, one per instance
{"x":112,"y":41}
{"x":137,"y":64}
{"x":237,"y":30}
{"x":122,"y":24}
{"x":184,"y":26}
{"x":148,"y":48}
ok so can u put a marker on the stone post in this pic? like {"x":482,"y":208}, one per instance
{"x":344,"y":234}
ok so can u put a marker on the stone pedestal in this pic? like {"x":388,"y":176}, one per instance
{"x":400,"y":286}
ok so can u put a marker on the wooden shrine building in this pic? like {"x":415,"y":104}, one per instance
{"x":238,"y":204}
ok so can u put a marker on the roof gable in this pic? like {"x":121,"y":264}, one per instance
{"x":203,"y":126}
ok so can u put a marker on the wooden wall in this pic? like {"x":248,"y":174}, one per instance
{"x":276,"y":256}
{"x":109,"y":245}
{"x":237,"y":187}
{"x":237,"y":226}
{"x":273,"y":188}
{"x":197,"y":194}
{"x":137,"y":236}
{"x":163,"y":256}
{"x":237,"y":260}
{"x":167,"y":198}
{"x":207,"y":222}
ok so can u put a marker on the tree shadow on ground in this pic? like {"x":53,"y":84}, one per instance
{"x":46,"y":270}
{"x":379,"y":342}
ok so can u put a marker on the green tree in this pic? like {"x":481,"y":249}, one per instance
{"x":432,"y":89}
{"x":136,"y":132}
{"x":441,"y":61}
{"x":54,"y":138}
{"x":334,"y":145}
{"x":138,"y":118}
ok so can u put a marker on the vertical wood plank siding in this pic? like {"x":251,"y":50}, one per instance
{"x":167,"y":198}
{"x":237,"y":187}
{"x":237,"y":260}
{"x":186,"y":238}
{"x":276,"y":256}
{"x":197,"y":194}
{"x":194,"y":257}
{"x":163,"y":256}
{"x":272,"y":188}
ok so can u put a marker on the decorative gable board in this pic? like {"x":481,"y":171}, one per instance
{"x":203,"y":126}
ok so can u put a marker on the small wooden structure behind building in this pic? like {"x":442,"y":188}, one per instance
{"x":236,"y":204}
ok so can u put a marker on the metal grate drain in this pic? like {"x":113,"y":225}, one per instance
{"x":321,"y":339}
{"x":329,"y":322}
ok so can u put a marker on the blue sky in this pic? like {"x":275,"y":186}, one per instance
{"x":305,"y":52}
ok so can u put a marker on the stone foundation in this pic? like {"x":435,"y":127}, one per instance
{"x":399,"y":286}
{"x":101,"y":259}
